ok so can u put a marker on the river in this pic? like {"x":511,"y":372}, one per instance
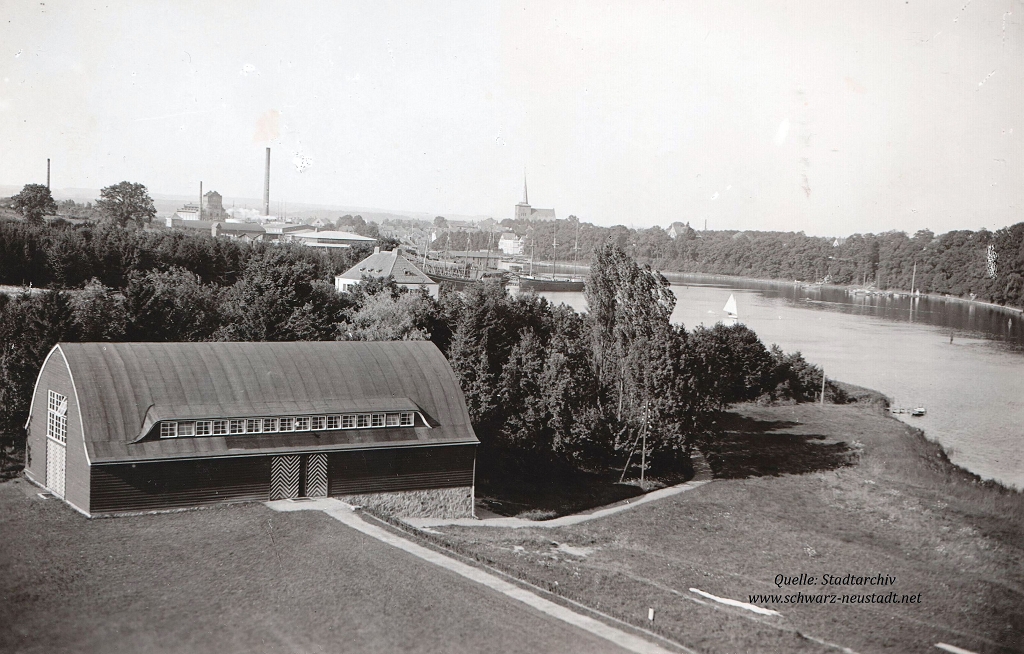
{"x":972,"y":388}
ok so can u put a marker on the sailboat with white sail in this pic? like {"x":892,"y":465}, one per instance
{"x":732,"y":315}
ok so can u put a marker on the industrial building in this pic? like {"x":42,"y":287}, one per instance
{"x":134,"y":427}
{"x":327,"y":239}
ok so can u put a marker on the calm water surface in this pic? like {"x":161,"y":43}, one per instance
{"x":973,"y":388}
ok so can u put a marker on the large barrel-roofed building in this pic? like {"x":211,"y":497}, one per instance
{"x":129,"y":427}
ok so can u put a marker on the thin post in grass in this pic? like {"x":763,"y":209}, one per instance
{"x":629,"y":458}
{"x":822,"y":387}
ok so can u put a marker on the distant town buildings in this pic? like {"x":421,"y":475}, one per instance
{"x":213,"y":206}
{"x":247,"y":232}
{"x":212,"y":209}
{"x":511,"y":244}
{"x":525,"y":212}
{"x":327,"y":238}
{"x":386,"y":264}
{"x":678,"y":229}
{"x":277,"y":232}
{"x":187,"y":212}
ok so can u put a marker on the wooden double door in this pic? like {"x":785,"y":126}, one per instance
{"x":298,"y":475}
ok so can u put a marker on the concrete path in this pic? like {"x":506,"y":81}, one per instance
{"x":703,"y":477}
{"x":345,"y":514}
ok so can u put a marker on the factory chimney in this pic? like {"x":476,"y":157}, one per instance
{"x":200,"y":200}
{"x":266,"y":187}
{"x":47,"y":172}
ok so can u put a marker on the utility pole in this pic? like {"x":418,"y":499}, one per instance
{"x":643,"y":451}
{"x":266,"y":186}
{"x":47,"y":173}
{"x":822,"y":387}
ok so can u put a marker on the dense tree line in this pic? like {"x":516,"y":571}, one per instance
{"x":65,"y":256}
{"x":546,"y":387}
{"x":988,"y":264}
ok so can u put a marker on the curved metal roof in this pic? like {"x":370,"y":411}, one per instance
{"x":123,"y":387}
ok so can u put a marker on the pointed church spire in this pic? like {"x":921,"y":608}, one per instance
{"x":526,"y":196}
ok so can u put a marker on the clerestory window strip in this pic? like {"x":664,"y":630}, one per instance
{"x":283,"y":424}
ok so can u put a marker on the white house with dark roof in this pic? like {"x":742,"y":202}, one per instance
{"x":390,"y":263}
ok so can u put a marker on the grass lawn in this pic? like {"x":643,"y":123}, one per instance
{"x":238,"y":578}
{"x":800,"y":489}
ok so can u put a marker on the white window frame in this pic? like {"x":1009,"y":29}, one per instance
{"x":302,"y":423}
{"x":220,"y":427}
{"x":317,"y":423}
{"x":377,"y":420}
{"x":286,"y":424}
{"x":333,"y":422}
{"x":57,"y":417}
{"x":236,"y":426}
{"x":348,"y":421}
{"x":254,"y":425}
{"x":269,"y":425}
{"x":392,"y":420}
{"x":363,"y":421}
{"x":186,"y":429}
{"x":407,"y":419}
{"x":204,"y":427}
{"x":168,"y":429}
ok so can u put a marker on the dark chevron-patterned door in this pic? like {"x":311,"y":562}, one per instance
{"x":316,"y":475}
{"x":284,"y":477}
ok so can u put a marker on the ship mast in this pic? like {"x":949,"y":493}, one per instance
{"x":554,"y":251}
{"x":576,"y":250}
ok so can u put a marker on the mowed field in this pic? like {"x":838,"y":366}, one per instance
{"x":800,"y":490}
{"x":240,"y":578}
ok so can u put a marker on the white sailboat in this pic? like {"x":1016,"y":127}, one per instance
{"x":732,"y":317}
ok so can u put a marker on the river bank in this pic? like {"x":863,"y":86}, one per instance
{"x":801,"y":489}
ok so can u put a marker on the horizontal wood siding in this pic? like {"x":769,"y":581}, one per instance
{"x":376,"y":471}
{"x":178,"y":484}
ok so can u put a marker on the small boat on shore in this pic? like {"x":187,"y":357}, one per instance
{"x":917,"y":412}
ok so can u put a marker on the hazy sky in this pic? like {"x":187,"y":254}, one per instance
{"x":827,"y":117}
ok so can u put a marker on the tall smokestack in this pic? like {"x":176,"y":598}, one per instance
{"x":200,"y":200}
{"x":47,"y":173}
{"x":266,"y":187}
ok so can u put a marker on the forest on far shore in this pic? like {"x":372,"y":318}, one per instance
{"x":988,"y":264}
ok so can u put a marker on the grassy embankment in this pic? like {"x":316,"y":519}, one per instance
{"x":801,"y":489}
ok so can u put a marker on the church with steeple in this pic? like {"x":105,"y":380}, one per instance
{"x":525,"y":212}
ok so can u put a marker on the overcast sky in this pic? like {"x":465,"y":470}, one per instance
{"x":827,"y":117}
